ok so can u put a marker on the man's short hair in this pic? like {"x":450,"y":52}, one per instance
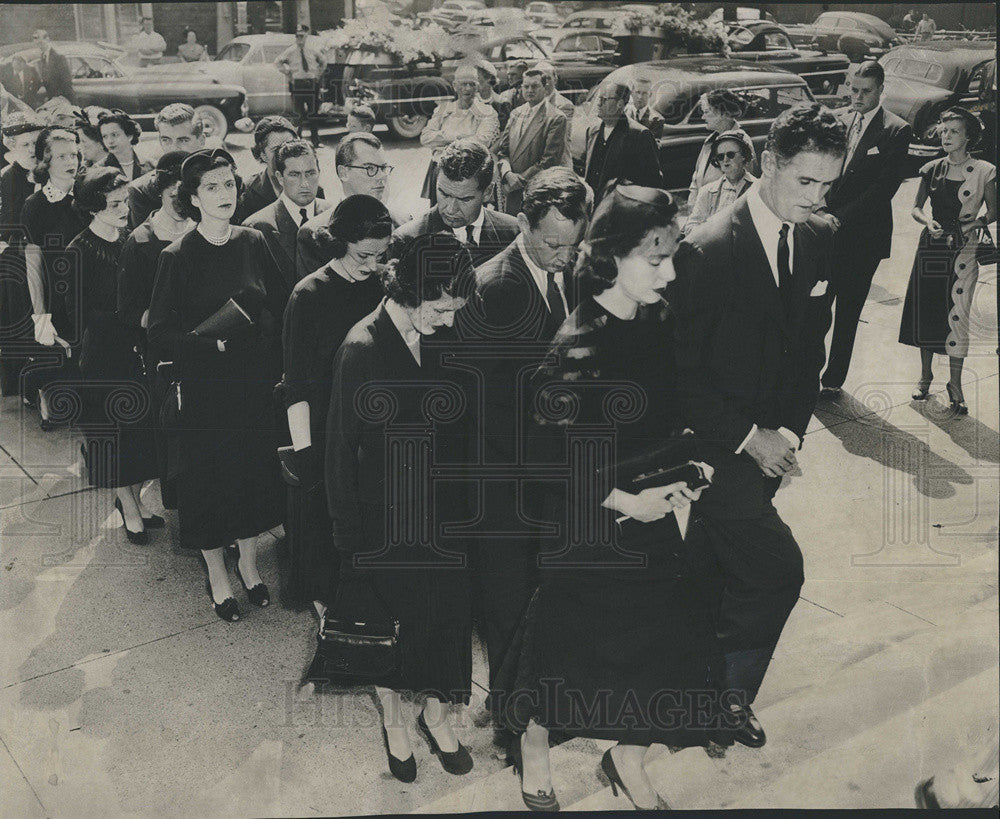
{"x":808,"y":127}
{"x":146,"y":17}
{"x":548,"y":70}
{"x":467,"y":158}
{"x":872,"y":70}
{"x":41,"y":32}
{"x":622,"y":91}
{"x":534,"y":72}
{"x":178,"y":113}
{"x":290,"y":150}
{"x":363,"y":113}
{"x":263,"y":129}
{"x":726,"y":102}
{"x":557,"y":188}
{"x":347,"y":150}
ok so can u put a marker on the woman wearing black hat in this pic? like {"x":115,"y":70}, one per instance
{"x":936,"y":313}
{"x":113,"y":391}
{"x":322,"y":308}
{"x":382,"y":396}
{"x":119,"y":133}
{"x":618,"y":641}
{"x":136,"y":273}
{"x":51,"y":222}
{"x":212,"y":311}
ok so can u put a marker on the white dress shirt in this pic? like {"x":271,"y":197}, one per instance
{"x":768,"y":226}
{"x":541,"y":277}
{"x":477,"y":229}
{"x":293,"y":209}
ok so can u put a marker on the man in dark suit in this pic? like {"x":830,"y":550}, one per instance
{"x":504,"y":330}
{"x":21,"y":80}
{"x":297,"y":171}
{"x":465,"y":174}
{"x":640,"y":110}
{"x":53,"y":70}
{"x":534,"y":139}
{"x":750,"y":299}
{"x":859,"y":207}
{"x":263,"y":187}
{"x":619,"y":148}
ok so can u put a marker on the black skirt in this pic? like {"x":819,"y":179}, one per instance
{"x":622,"y":654}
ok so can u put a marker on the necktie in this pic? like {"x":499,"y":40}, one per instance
{"x":853,"y":139}
{"x":470,"y":236}
{"x":784,"y":270}
{"x":554,"y":297}
{"x":302,"y":216}
{"x":302,"y":55}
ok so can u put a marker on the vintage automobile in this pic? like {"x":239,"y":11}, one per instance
{"x":677,"y":86}
{"x":98,"y":80}
{"x":109,"y":50}
{"x":451,"y":13}
{"x":923,"y":79}
{"x":854,"y":33}
{"x":763,"y":41}
{"x":501,"y":19}
{"x":543,"y":14}
{"x":606,"y":19}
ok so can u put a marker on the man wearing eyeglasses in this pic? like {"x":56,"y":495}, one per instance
{"x":53,"y":68}
{"x":619,"y":148}
{"x":362,"y":167}
{"x":304,"y":65}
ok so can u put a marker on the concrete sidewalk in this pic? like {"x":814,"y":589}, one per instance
{"x":123,"y":694}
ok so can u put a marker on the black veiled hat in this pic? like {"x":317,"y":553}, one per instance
{"x":201,"y":160}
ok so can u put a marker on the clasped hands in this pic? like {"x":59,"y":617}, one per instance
{"x":773,"y":453}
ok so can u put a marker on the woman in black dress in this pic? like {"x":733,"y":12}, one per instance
{"x":936,"y":313}
{"x":51,"y":223}
{"x":92,"y":150}
{"x":16,"y":184}
{"x":320,"y":311}
{"x":114,"y":391}
{"x":120,"y":133}
{"x":136,"y":273}
{"x":223,"y":443}
{"x":380,"y":391}
{"x":622,"y":618}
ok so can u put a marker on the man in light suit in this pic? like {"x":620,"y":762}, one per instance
{"x":297,"y":171}
{"x":639,"y":108}
{"x":465,"y":173}
{"x":618,"y":147}
{"x":750,"y":299}
{"x":859,"y":207}
{"x":560,"y":102}
{"x":534,"y":139}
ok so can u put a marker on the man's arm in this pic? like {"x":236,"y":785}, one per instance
{"x":884,"y":186}
{"x":646,"y":161}
{"x":555,"y":143}
{"x":501,"y":149}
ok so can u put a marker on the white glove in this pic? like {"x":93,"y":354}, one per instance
{"x":45,"y":333}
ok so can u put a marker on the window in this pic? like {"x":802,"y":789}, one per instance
{"x":524,"y":50}
{"x":787,"y":97}
{"x":776,"y":41}
{"x":740,"y":36}
{"x":589,"y":42}
{"x":234,"y":52}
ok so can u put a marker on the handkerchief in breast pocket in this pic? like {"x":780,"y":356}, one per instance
{"x":819,"y":289}
{"x":873,"y":151}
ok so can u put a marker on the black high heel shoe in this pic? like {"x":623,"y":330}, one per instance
{"x":258,"y":595}
{"x":454,"y":762}
{"x":154,"y":522}
{"x":611,"y":772}
{"x":228,"y":609}
{"x":405,"y":770}
{"x":957,"y":407}
{"x":545,"y":800}
{"x":139,"y":538}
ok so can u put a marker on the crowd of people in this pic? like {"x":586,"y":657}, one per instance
{"x":455,"y":415}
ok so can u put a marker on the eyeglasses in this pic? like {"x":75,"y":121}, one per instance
{"x":722,"y":156}
{"x":373,"y":170}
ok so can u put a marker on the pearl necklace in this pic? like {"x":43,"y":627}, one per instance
{"x":217,"y":242}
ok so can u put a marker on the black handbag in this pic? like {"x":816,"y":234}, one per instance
{"x":986,"y":249}
{"x":355,"y":647}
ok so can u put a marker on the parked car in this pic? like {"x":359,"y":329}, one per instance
{"x":763,"y":41}
{"x":502,"y":18}
{"x":452,"y":13}
{"x":742,"y":15}
{"x":854,"y":33}
{"x":678,"y":85}
{"x":606,"y":19}
{"x":109,"y":50}
{"x":99,"y":80}
{"x":543,"y":14}
{"x":923,"y":79}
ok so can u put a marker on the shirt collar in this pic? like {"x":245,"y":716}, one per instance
{"x":540,"y":276}
{"x":867,"y":117}
{"x":768,"y":226}
{"x":52,"y":193}
{"x":476,"y":225}
{"x":293,"y":209}
{"x":404,"y":327}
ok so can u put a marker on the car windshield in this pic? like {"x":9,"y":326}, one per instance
{"x":234,"y":52}
{"x":909,"y":68}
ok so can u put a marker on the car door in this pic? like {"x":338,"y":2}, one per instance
{"x":266,"y":85}
{"x":97,"y":81}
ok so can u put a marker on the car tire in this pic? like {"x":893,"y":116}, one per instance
{"x":213,"y":122}
{"x":407,"y":126}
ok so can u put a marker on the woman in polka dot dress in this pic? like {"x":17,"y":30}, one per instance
{"x":939,"y":306}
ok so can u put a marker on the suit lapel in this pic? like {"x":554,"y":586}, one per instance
{"x":749,"y":250}
{"x":530,"y":126}
{"x":616,"y":144}
{"x":868,"y":139}
{"x":287,"y":229}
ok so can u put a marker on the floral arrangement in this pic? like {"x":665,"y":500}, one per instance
{"x":397,"y":37}
{"x":678,"y":29}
